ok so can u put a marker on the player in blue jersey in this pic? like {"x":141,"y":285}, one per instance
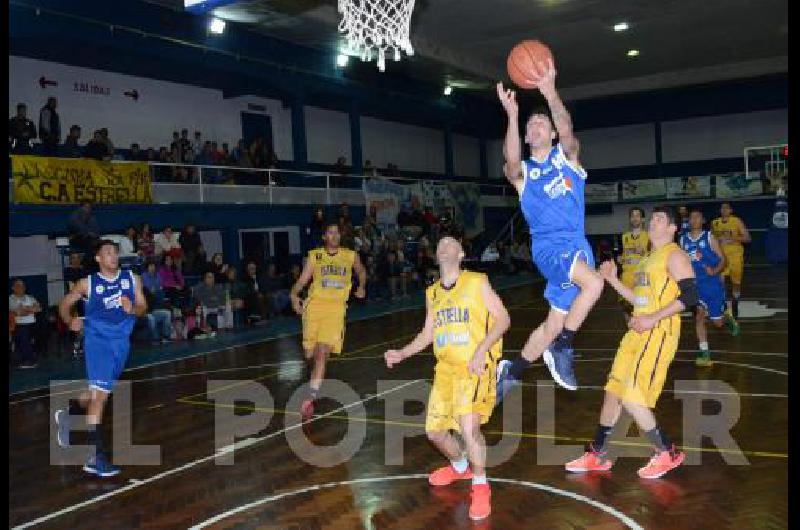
{"x":708,"y":262}
{"x":551,"y":185}
{"x":113,"y":299}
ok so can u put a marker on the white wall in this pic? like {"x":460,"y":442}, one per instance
{"x":466,"y":156}
{"x":327,"y":135}
{"x":162,"y":106}
{"x":410,"y":147}
{"x":630,"y":145}
{"x":722,"y":136}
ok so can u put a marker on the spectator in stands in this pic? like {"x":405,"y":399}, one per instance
{"x":197,"y":144}
{"x":159,"y":317}
{"x":71,"y":149}
{"x":167,"y":243}
{"x":49,"y":127}
{"x":96,"y":149}
{"x":135,"y":154}
{"x":191,"y":243}
{"x":277,"y":290}
{"x":255,"y":299}
{"x":390,"y":271}
{"x":369,"y":170}
{"x":346,"y":231}
{"x":127,"y":243}
{"x":84,"y":232}
{"x":185,"y":144}
{"x":212,"y":298}
{"x":179,"y":173}
{"x":150,"y":155}
{"x":431,"y":222}
{"x":24,"y":307}
{"x":339,"y":172}
{"x":427,"y":271}
{"x":176,"y":142}
{"x":257,"y":152}
{"x":21,"y":131}
{"x":241,"y":155}
{"x":107,"y":142}
{"x":219,"y":268}
{"x":224,"y":157}
{"x":236,"y":294}
{"x":172,"y":281}
{"x":317,"y":227}
{"x":206,"y":156}
{"x":146,"y":242}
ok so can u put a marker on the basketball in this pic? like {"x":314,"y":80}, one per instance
{"x":522,"y":61}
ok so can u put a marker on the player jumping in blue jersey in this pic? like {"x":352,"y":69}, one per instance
{"x":114,"y":298}
{"x":551,"y":191}
{"x":708,"y":262}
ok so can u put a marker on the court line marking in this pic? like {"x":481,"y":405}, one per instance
{"x":263,"y":340}
{"x":247,"y":442}
{"x":757,"y":353}
{"x":751,"y":366}
{"x":627,"y":521}
{"x":382,"y":421}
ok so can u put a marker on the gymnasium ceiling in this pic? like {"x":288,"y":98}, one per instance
{"x":465,"y":42}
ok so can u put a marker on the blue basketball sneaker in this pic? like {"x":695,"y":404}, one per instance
{"x":559,"y":362}
{"x":62,"y":422}
{"x":505,"y":381}
{"x":99,"y":465}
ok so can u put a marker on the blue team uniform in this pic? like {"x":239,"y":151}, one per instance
{"x":552,"y":203}
{"x":108,"y":328}
{"x":710,"y":289}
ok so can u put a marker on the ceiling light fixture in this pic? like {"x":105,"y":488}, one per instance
{"x":341,"y":60}
{"x":633,"y":53}
{"x":622,"y":26}
{"x":448,"y":90}
{"x":216,"y":26}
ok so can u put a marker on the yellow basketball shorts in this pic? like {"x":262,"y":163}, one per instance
{"x":324,"y":323}
{"x":457,"y":393}
{"x":641,"y":364}
{"x":734,"y":267}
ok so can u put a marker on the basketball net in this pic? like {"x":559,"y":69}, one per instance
{"x":374,"y":28}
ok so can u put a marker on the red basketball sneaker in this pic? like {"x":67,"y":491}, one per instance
{"x":590,"y":461}
{"x":661,"y":463}
{"x":447,"y":475}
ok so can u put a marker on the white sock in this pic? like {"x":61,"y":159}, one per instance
{"x":460,"y":465}
{"x":704,"y":346}
{"x":476,"y":480}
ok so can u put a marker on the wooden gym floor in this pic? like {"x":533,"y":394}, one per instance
{"x":269,"y":486}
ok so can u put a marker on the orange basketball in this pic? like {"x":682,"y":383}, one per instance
{"x":522,"y":61}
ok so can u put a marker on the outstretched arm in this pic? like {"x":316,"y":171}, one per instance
{"x":302,"y":281}
{"x":423,"y":339}
{"x":561,"y":118}
{"x":512,"y":149}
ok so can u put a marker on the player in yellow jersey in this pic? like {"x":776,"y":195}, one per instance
{"x":330,"y":268}
{"x":665,"y":286}
{"x":465,"y":321}
{"x":634,"y":248}
{"x":731,"y":234}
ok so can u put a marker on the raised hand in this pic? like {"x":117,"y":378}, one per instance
{"x":546,"y":80}
{"x":608,"y":269}
{"x":508,"y":99}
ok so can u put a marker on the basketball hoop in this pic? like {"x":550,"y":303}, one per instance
{"x":377,"y":27}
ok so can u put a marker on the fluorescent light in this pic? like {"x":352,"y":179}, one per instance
{"x":216,"y":26}
{"x":633,"y":53}
{"x":622,"y":26}
{"x":448,"y":90}
{"x":341,"y":60}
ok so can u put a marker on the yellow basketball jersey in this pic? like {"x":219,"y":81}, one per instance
{"x":655,"y":289}
{"x":461,"y":319}
{"x":725,"y":229}
{"x":634,"y":248}
{"x":333,"y":275}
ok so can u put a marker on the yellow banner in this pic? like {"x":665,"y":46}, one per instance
{"x":41,"y":180}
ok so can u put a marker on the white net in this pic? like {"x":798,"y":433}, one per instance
{"x":376,"y":28}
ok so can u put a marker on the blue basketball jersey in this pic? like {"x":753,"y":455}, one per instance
{"x":701,"y":253}
{"x":104,"y":311}
{"x":552,"y":199}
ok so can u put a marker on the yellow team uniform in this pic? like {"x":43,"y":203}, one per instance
{"x":724,"y":230}
{"x":326,"y":305}
{"x":641,"y":363}
{"x":461,"y":323}
{"x":634,"y":249}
